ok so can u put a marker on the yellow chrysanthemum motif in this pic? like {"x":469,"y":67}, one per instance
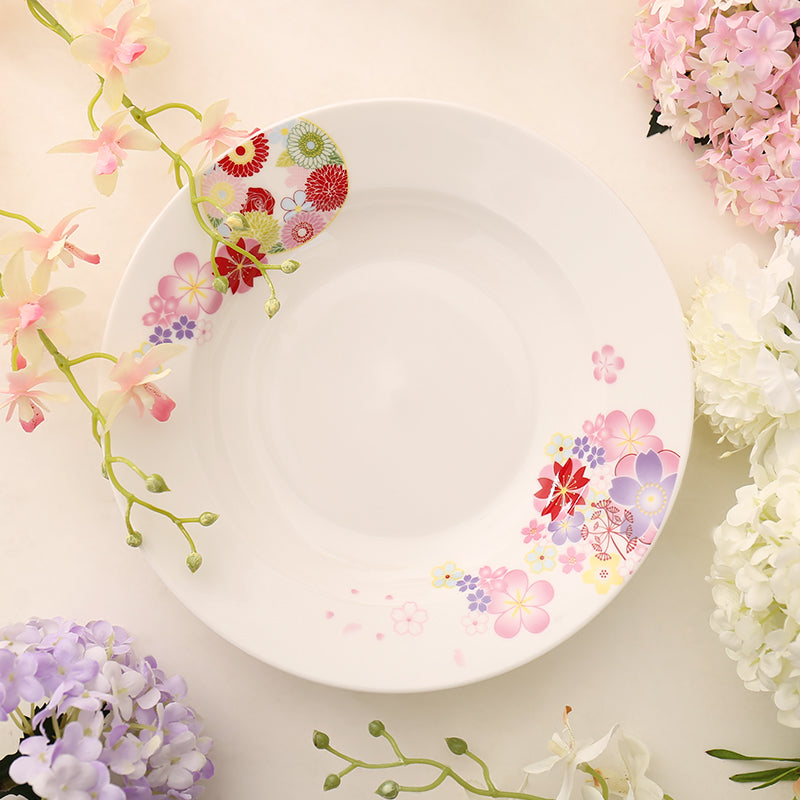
{"x":263,"y":227}
{"x":309,"y":146}
{"x":243,"y":153}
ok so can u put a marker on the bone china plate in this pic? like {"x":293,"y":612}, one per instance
{"x":461,"y":434}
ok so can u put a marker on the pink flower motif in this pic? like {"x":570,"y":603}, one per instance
{"x":533,"y":532}
{"x":301,"y":228}
{"x":192,"y":286}
{"x":110,"y":145}
{"x":572,"y":560}
{"x":491,"y":579}
{"x":28,"y":307}
{"x":25,"y":399}
{"x":596,"y":430}
{"x":606,"y":364}
{"x":49,"y":248}
{"x":227,"y":193}
{"x":632,"y":435}
{"x":409,"y":619}
{"x":136,"y":377}
{"x":519,"y":605}
{"x":111,"y":52}
{"x":475,"y":622}
{"x":164,"y":311}
{"x":216,"y":133}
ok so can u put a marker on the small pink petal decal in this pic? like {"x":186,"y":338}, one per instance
{"x":329,"y":615}
{"x":606,"y":364}
{"x":352,"y":627}
{"x":379,"y":637}
{"x":459,"y":658}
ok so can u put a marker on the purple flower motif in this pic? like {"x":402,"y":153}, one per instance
{"x":468,"y":583}
{"x":647,"y":494}
{"x":596,"y":456}
{"x":581,"y":446}
{"x":160,"y":336}
{"x":566,"y":528}
{"x":478,"y":600}
{"x":184,"y":327}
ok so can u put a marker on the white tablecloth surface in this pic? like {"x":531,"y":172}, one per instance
{"x":649,"y":660}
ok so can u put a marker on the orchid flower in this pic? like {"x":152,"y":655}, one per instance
{"x":27,"y":401}
{"x":49,"y":248}
{"x":136,"y":377}
{"x":632,"y":783}
{"x":110,"y":144}
{"x":216,"y":133}
{"x":28,"y":307}
{"x":111,"y":52}
{"x":567,"y":752}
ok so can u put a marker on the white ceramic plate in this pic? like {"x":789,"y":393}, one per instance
{"x":462,"y":432}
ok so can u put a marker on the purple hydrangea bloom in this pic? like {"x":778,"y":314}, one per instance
{"x":107,"y":724}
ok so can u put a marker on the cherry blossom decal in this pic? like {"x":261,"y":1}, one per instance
{"x":601,"y":499}
{"x":606,"y":364}
{"x":283,"y":187}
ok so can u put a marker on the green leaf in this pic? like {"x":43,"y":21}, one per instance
{"x":769,"y":775}
{"x":285,"y":160}
{"x":655,"y":125}
{"x":733,"y":756}
{"x":336,"y":158}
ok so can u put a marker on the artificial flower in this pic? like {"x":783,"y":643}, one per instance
{"x":111,"y":52}
{"x":745,"y":339}
{"x":217,"y":133}
{"x":110,"y":144}
{"x":25,"y":399}
{"x":49,"y":248}
{"x":28,"y":306}
{"x":102,"y":723}
{"x":137,"y":378}
{"x":569,"y":754}
{"x":725,"y":75}
{"x":627,"y":780}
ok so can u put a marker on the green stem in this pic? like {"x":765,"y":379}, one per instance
{"x":92,"y":103}
{"x":42,"y":15}
{"x":80,"y":359}
{"x":166,"y":106}
{"x":21,"y":218}
{"x":598,"y":778}
{"x":484,"y":768}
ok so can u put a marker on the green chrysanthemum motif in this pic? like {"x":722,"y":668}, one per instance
{"x":309,"y":146}
{"x":263,"y":227}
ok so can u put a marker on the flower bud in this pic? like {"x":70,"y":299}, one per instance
{"x":331,"y":782}
{"x":272,"y":306}
{"x":104,"y":470}
{"x":221,"y":284}
{"x":456,"y":746}
{"x":207,"y":518}
{"x":376,"y":727}
{"x":193,"y":561}
{"x":236,"y":224}
{"x":388,"y":789}
{"x":134,"y":539}
{"x":155,"y":483}
{"x":289,"y":266}
{"x":321,"y":740}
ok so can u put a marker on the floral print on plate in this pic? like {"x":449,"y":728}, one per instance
{"x":287,"y":183}
{"x":600,"y":501}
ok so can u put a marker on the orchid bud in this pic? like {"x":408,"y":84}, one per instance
{"x":376,"y":727}
{"x":221,"y":284}
{"x":331,"y":782}
{"x":321,"y":740}
{"x":155,"y":483}
{"x":104,"y":470}
{"x":207,"y":518}
{"x":272,"y":306}
{"x":193,"y":561}
{"x":388,"y":790}
{"x":236,"y":224}
{"x":134,"y":539}
{"x":289,"y":266}
{"x":456,"y":746}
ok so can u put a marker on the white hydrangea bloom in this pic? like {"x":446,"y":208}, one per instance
{"x":745,"y":339}
{"x":755,"y":579}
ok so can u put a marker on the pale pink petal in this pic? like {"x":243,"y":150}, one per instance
{"x":76,"y":146}
{"x":535,"y":619}
{"x":139,"y":139}
{"x":106,"y":183}
{"x":113,"y":87}
{"x":106,"y":161}
{"x":156,"y":50}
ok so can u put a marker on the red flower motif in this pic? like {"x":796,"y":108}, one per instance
{"x":238,"y":268}
{"x":259,"y":199}
{"x":564,"y":489}
{"x":246,"y":158}
{"x":326,"y":187}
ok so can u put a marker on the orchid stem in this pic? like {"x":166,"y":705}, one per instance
{"x":21,"y":218}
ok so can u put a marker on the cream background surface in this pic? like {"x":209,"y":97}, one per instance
{"x":649,"y":660}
